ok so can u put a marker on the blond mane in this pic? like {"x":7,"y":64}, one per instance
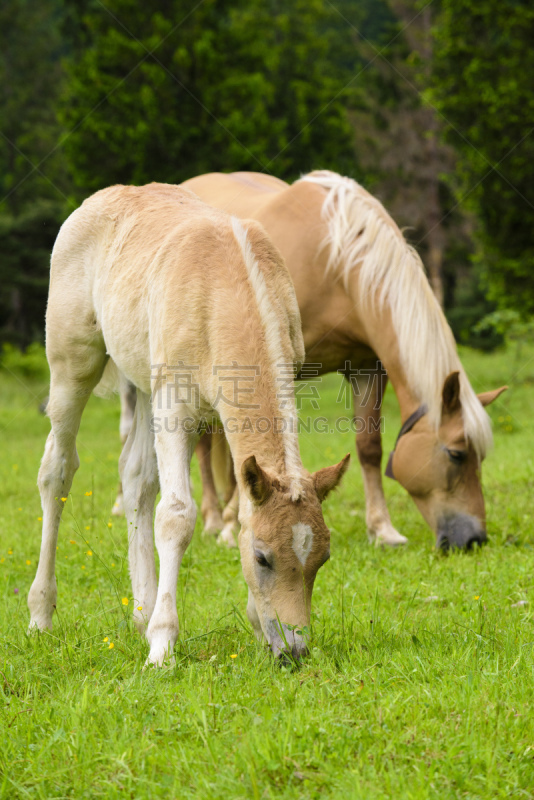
{"x":362,"y":235}
{"x":278,"y":355}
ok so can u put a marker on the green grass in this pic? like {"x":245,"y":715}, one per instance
{"x":401,"y":697}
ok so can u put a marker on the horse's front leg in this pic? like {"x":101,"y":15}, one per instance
{"x":210,"y":509}
{"x":368,"y":393}
{"x":174,"y":527}
{"x":139,"y":475}
{"x":231,"y":522}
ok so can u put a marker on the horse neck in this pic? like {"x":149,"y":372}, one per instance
{"x":395,"y":311}
{"x":265,"y":425}
{"x":382,"y":338}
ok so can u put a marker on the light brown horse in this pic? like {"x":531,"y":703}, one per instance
{"x":365,"y":302}
{"x":176,"y":292}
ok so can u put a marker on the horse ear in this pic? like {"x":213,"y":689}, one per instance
{"x":258,"y":484}
{"x":488,"y":397}
{"x":326,"y":479}
{"x":451,"y":393}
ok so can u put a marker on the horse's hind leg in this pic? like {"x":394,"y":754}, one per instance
{"x":128,"y":397}
{"x":73,"y":375}
{"x":139,"y":475}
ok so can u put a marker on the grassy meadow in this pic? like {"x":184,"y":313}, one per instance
{"x":420,"y":678}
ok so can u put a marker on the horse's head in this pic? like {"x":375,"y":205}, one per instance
{"x":283,"y":544}
{"x":441,"y":471}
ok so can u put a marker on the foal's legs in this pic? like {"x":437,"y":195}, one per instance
{"x":231,"y":523}
{"x":128,"y":398}
{"x":73,"y":376}
{"x":174,"y":527}
{"x":139,"y":475}
{"x":367,"y":410}
{"x":210,"y":510}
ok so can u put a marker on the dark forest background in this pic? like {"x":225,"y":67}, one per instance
{"x":429,"y":104}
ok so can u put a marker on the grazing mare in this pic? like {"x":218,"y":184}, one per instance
{"x":173,"y":291}
{"x":365,"y":302}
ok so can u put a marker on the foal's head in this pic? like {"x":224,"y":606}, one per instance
{"x":283,"y":544}
{"x":441,"y":470}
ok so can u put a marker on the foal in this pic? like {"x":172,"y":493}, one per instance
{"x":178,"y":294}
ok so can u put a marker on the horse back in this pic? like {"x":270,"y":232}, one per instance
{"x":293,"y":217}
{"x":165,"y":277}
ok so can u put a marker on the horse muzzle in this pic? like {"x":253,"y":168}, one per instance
{"x":460,"y":532}
{"x":286,"y":642}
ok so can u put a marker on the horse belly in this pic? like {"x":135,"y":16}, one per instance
{"x":121,"y":303}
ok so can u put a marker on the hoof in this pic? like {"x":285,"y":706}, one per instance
{"x":213,"y":523}
{"x":40,"y":624}
{"x":161,"y":654}
{"x":226,"y":536}
{"x":387,"y":536}
{"x":164,"y":661}
{"x":42,"y":604}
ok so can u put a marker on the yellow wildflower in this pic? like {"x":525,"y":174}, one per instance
{"x":39,"y":519}
{"x":234,"y":655}
{"x":87,"y":527}
{"x":10,"y":552}
{"x":477,"y":597}
{"x":125,"y":601}
{"x":106,"y":639}
{"x":2,"y":560}
{"x":88,"y":494}
{"x":83,"y":566}
{"x":111,"y":646}
{"x":28,"y":562}
{"x":110,"y":524}
{"x":139,"y":608}
{"x":113,"y":565}
{"x":63,"y":499}
{"x":72,"y":541}
{"x":20,"y":508}
{"x":89,"y":552}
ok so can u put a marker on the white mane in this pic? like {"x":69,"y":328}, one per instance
{"x":361,"y":234}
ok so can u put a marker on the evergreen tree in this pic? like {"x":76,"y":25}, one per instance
{"x":399,"y":136}
{"x":173,"y":89}
{"x":484,"y":69}
{"x":33,"y":178}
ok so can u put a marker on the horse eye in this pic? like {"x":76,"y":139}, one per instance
{"x":457,"y":456}
{"x":260,"y":558}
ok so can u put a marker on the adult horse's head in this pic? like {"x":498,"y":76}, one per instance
{"x":440,"y":467}
{"x":283,"y":543}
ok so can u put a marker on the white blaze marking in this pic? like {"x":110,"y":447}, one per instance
{"x":302,"y":541}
